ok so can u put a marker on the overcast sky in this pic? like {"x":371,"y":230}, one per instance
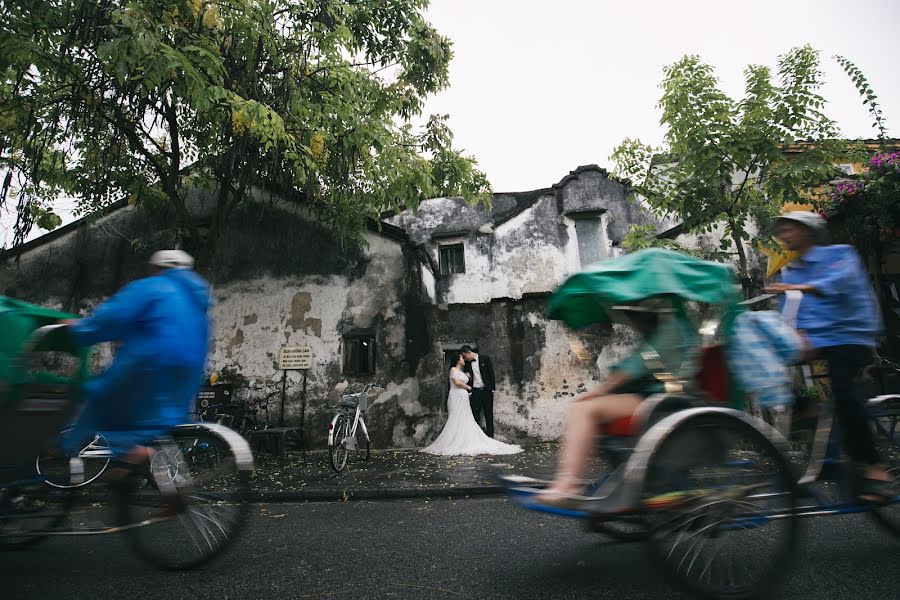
{"x":538,"y":88}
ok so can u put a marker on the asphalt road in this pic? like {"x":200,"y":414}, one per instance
{"x":443,"y":549}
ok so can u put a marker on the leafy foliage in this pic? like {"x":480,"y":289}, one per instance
{"x":722,"y":162}
{"x":868,"y":96}
{"x":146,"y":100}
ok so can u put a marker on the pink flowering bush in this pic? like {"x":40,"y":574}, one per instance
{"x":868,"y":208}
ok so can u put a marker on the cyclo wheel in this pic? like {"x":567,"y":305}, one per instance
{"x":29,"y":509}
{"x":215,"y":494}
{"x":337,"y":449}
{"x":720,"y":501}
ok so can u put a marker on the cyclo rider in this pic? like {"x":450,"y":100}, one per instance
{"x":840,"y":319}
{"x":162,"y":325}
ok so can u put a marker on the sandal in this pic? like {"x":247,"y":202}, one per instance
{"x":559,"y":499}
{"x":876,"y":491}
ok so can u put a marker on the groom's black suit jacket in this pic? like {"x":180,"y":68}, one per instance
{"x":486,"y":366}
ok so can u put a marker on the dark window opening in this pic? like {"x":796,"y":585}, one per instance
{"x":359,"y":354}
{"x":452,"y":259}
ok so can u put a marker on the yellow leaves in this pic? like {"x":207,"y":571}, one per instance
{"x":208,"y":15}
{"x":211,"y":18}
{"x":240,"y":122}
{"x":317,"y":147}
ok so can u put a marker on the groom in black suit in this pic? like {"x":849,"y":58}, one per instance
{"x":480,"y":369}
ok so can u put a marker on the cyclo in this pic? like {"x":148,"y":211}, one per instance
{"x":716,"y":493}
{"x":41,"y":370}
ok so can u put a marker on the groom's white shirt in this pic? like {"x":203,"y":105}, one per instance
{"x":477,"y":382}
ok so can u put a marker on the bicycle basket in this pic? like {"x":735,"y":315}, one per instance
{"x":353,"y":400}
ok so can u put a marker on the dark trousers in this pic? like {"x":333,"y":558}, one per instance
{"x":845,"y":363}
{"x":482,"y":400}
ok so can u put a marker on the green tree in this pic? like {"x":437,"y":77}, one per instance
{"x":722,"y":161}
{"x":147,"y":99}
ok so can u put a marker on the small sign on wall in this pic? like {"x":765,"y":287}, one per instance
{"x":295,"y":358}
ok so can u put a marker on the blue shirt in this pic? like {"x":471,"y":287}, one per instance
{"x":843,"y":311}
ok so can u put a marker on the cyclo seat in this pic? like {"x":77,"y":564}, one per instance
{"x":36,"y":392}
{"x":712,"y":381}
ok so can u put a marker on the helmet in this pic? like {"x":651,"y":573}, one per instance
{"x":812,"y":220}
{"x":172,"y":259}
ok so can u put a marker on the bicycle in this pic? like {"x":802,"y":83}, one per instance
{"x":249,"y":419}
{"x":214,"y":494}
{"x":344,"y":427}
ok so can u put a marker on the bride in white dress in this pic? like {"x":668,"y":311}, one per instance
{"x":461,"y":434}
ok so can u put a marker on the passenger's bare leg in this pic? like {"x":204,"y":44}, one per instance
{"x":580,"y":437}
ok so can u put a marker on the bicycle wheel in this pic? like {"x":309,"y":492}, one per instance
{"x":61,"y":471}
{"x":363,"y":446}
{"x":29,"y":509}
{"x":889,"y":448}
{"x":337,"y":448}
{"x":720,"y":500}
{"x":214,"y":498}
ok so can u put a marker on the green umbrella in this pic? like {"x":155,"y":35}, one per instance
{"x":584,"y":298}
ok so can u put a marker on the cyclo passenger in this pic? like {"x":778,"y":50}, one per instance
{"x":668,"y":346}
{"x":161,"y":323}
{"x":841,"y":322}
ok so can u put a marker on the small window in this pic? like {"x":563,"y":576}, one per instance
{"x":452,"y":259}
{"x":591,"y":235}
{"x":359,"y":354}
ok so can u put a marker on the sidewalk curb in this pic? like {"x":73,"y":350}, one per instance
{"x":348,"y":494}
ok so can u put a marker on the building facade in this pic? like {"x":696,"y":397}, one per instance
{"x":392,"y":312}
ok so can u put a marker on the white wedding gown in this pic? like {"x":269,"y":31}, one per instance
{"x":461,"y":434}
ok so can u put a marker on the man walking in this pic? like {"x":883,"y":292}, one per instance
{"x":480,"y":369}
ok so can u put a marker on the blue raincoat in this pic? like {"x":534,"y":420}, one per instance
{"x":163,"y":325}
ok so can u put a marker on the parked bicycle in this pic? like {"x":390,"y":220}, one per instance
{"x":255,"y":414}
{"x":242,"y":416}
{"x":347,"y":430}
